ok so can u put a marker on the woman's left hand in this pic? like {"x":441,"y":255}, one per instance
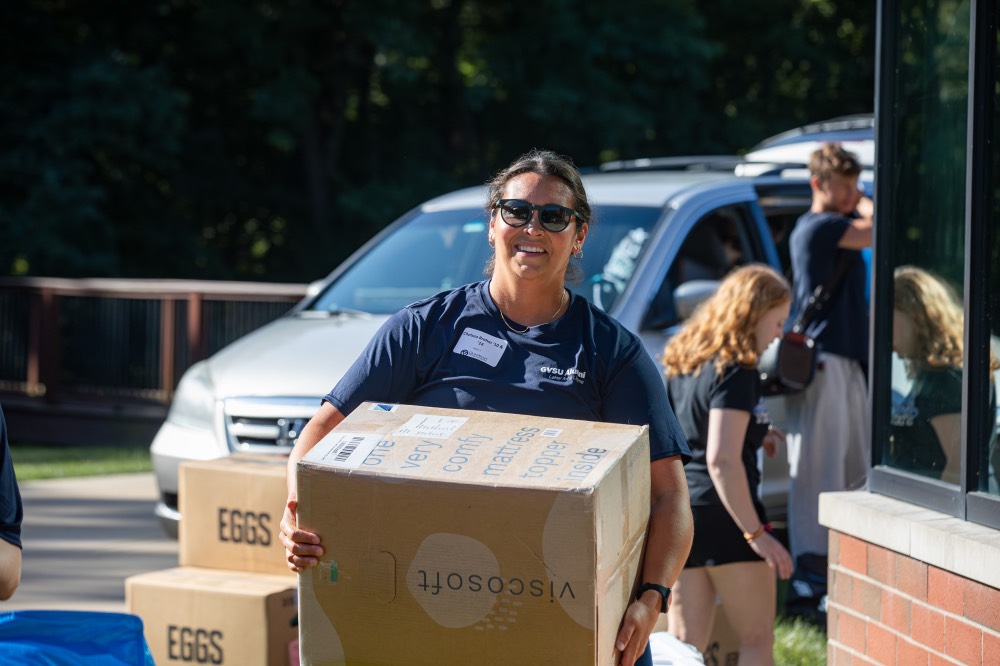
{"x":771,"y":440}
{"x":775,"y":554}
{"x":632,"y":638}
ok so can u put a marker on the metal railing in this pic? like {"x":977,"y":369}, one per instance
{"x":109,"y":341}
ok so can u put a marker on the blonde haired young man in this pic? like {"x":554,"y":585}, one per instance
{"x":828,"y":440}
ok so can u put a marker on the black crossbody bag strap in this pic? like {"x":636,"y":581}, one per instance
{"x":823,"y":293}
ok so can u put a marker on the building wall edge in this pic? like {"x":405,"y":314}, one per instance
{"x":957,"y":546}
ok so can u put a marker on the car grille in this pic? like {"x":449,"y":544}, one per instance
{"x":262,"y":425}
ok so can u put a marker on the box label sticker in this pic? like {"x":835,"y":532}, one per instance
{"x":342,"y":449}
{"x":427,"y":426}
{"x":481,"y":346}
{"x":383,"y":407}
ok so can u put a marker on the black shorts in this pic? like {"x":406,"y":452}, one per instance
{"x":717,"y":539}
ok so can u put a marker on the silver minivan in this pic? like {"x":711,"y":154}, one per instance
{"x":659,"y":242}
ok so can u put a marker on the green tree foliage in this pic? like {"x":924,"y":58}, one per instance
{"x":267,"y":140}
{"x":786,"y":63}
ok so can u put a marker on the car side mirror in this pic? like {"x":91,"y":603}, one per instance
{"x":691,"y":294}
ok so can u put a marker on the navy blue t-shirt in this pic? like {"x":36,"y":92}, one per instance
{"x":11,"y":509}
{"x":842,"y":327}
{"x":454,"y":351}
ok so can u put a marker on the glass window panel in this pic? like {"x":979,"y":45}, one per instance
{"x":989,"y":450}
{"x":928,"y":203}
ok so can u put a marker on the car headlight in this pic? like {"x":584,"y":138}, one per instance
{"x":193,"y":405}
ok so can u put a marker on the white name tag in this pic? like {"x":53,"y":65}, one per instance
{"x":481,"y":346}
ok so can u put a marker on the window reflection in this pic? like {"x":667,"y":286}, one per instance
{"x":928,"y":196}
{"x":989,"y":474}
{"x":927,"y":332}
{"x":926,"y":422}
{"x":989,"y":451}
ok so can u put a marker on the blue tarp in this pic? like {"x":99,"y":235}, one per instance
{"x":72,"y":638}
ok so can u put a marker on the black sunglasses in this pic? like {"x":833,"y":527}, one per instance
{"x":552,"y":217}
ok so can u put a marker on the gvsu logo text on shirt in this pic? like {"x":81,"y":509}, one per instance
{"x":558,"y":374}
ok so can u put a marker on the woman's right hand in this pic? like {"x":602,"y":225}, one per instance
{"x":776,"y":556}
{"x":302,"y":549}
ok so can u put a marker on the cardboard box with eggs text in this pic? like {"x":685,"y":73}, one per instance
{"x":457,"y":536}
{"x":208,"y":616}
{"x":231,"y":512}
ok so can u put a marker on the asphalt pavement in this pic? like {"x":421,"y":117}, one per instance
{"x":83,"y":537}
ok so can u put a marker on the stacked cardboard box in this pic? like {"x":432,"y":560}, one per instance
{"x":231,"y":509}
{"x":232,"y":600}
{"x":470,"y":537}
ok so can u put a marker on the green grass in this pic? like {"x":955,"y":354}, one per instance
{"x":36,"y":461}
{"x":798,"y":643}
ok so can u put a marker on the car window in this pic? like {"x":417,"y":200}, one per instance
{"x":715,"y":245}
{"x":718,"y":242}
{"x":429,"y":254}
{"x":615,"y":243}
{"x":440,"y":250}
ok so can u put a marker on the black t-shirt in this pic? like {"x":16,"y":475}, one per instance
{"x":842,"y":327}
{"x":11,"y":510}
{"x":913,"y":445}
{"x":692,"y":397}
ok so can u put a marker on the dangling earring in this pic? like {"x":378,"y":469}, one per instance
{"x":578,"y":252}
{"x":491,"y":243}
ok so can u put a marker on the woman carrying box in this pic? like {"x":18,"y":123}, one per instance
{"x":549,"y":353}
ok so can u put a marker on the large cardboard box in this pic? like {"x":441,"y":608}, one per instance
{"x":230,"y":513}
{"x":470,"y":537}
{"x":207,"y":616}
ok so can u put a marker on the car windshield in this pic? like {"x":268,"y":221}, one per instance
{"x":439,"y":250}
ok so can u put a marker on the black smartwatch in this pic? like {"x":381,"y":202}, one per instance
{"x":661,"y":589}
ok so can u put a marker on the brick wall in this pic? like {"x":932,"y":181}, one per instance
{"x":888,"y":608}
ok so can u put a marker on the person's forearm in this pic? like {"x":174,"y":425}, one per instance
{"x":671,"y":532}
{"x":325,"y":420}
{"x":858,"y":235}
{"x":729,"y":479}
{"x":726,"y":431}
{"x":302,"y":548}
{"x":671,"y":528}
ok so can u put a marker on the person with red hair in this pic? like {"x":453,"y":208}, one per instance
{"x":715,"y":390}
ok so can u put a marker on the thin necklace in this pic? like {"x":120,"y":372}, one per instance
{"x":562,"y":301}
